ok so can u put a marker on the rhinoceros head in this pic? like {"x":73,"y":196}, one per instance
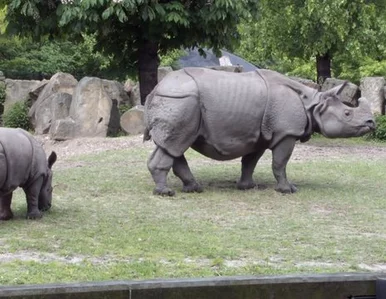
{"x":336,"y":119}
{"x":45,"y":196}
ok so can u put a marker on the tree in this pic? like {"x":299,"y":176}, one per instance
{"x":134,"y":32}
{"x":317,"y":29}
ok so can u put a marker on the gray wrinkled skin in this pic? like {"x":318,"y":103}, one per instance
{"x":229,"y":115}
{"x":23,"y":163}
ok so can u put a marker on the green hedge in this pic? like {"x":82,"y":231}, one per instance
{"x":17,"y":116}
{"x":380,"y":131}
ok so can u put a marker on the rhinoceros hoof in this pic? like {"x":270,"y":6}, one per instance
{"x":34,"y":215}
{"x":290,"y":188}
{"x":45,"y":208}
{"x":192,"y":188}
{"x":164,"y":191}
{"x":6,"y":215}
{"x":246,"y":185}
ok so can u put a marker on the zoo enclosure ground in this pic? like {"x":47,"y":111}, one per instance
{"x":106,"y":224}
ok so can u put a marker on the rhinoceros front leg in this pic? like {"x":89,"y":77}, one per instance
{"x":248,"y":164}
{"x":181,"y":169}
{"x":32,"y":194}
{"x":5,"y":207}
{"x":159,"y":165}
{"x":280,"y":157}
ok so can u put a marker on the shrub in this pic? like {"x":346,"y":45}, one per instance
{"x":123,"y":108}
{"x":380,"y":131}
{"x":17,"y":116}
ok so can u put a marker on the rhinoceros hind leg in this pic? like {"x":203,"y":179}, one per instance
{"x":281,"y":154}
{"x":248,"y":164}
{"x":159,"y":164}
{"x":181,"y":170}
{"x":5,"y":207}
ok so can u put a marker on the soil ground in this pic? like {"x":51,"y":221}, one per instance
{"x":303,"y":152}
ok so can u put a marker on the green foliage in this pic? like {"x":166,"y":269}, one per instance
{"x":127,"y":24}
{"x":123,"y":108}
{"x":362,"y":67}
{"x":380,"y":131}
{"x":17,"y":116}
{"x":308,"y":28}
{"x":348,"y":30}
{"x":27,"y":59}
{"x":171,"y":58}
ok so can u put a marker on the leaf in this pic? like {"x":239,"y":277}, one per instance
{"x":107,"y":12}
{"x":122,"y":17}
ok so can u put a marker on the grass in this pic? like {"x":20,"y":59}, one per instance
{"x":106,"y":224}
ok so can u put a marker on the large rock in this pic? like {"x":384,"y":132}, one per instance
{"x":116,"y":91}
{"x":34,"y":93}
{"x":350,"y":93}
{"x":128,"y":86}
{"x":94,"y":112}
{"x":18,"y":91}
{"x":135,"y":95}
{"x":372,"y":88}
{"x":59,"y":83}
{"x":132,"y":121}
{"x":63,"y":129}
{"x":307,"y":82}
{"x":53,"y":108}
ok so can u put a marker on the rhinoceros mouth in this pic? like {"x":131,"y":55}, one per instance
{"x":362,"y":130}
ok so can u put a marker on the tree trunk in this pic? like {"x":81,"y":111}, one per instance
{"x":148,"y":62}
{"x":323,"y":67}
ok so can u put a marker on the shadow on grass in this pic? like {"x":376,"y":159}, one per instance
{"x":225,"y":184}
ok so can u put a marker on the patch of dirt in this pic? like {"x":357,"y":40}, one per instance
{"x":302,"y":152}
{"x":241,"y":263}
{"x":81,"y":146}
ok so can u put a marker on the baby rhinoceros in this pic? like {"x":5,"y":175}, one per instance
{"x":226,"y":115}
{"x":23,"y":163}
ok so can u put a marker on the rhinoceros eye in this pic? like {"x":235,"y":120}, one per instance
{"x":347,"y":112}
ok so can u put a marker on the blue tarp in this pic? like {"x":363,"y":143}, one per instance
{"x":194,"y":59}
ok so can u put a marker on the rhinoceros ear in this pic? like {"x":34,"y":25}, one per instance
{"x":51,"y":159}
{"x":336,"y":91}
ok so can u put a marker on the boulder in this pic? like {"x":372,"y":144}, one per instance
{"x":135,"y":95}
{"x":95,"y":114}
{"x":350,"y":93}
{"x":34,"y":93}
{"x":116,"y":91}
{"x":132,"y":121}
{"x":53,"y":108}
{"x":372,"y":88}
{"x":128,"y":86}
{"x":59,"y":83}
{"x":18,"y":91}
{"x":307,"y":82}
{"x":62,"y":129}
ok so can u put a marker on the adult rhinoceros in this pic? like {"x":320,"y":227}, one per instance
{"x":23,"y":163}
{"x":226,"y":115}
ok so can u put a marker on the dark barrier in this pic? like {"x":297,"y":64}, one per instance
{"x":335,"y":286}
